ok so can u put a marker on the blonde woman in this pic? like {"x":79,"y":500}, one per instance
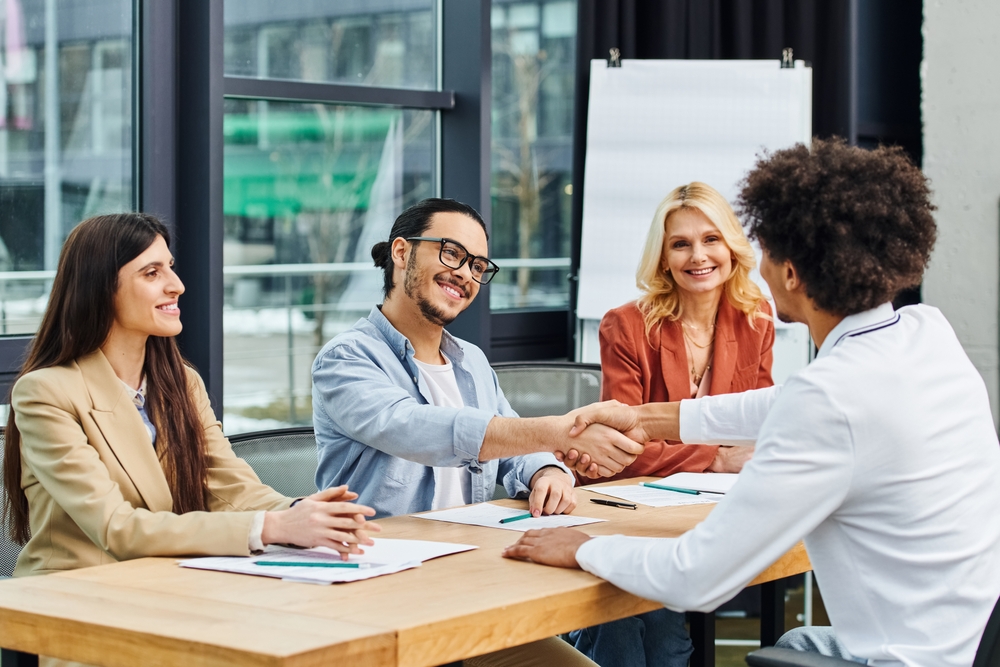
{"x":701,"y":327}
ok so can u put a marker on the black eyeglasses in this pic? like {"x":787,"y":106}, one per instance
{"x":454,"y":255}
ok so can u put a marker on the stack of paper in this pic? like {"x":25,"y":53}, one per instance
{"x":654,"y":497}
{"x":489,"y":516}
{"x":325,"y":566}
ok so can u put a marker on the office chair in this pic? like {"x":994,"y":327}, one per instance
{"x":543,"y":388}
{"x":8,"y":550}
{"x":284,"y":459}
{"x":988,"y":654}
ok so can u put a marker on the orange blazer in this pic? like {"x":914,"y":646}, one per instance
{"x":636,"y":370}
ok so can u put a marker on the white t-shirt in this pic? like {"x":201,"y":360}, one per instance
{"x":882,"y":456}
{"x":452,"y":486}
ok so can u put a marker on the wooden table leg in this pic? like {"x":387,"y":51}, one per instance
{"x":703,"y":638}
{"x":9,"y":658}
{"x":772,"y":611}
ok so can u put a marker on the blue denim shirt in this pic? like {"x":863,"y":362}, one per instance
{"x":376,"y":431}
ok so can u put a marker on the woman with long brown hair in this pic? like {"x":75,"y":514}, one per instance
{"x":113,"y":451}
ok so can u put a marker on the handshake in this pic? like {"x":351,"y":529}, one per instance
{"x":605,"y":437}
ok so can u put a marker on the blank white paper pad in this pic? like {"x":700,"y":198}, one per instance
{"x":654,"y":497}
{"x":385,"y":557}
{"x":488,"y":516}
{"x":655,"y":124}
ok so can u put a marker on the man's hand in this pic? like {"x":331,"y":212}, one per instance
{"x":730,"y":459}
{"x":598,"y":451}
{"x":550,"y":546}
{"x":551,"y":492}
{"x":611,"y":413}
{"x":324,"y":519}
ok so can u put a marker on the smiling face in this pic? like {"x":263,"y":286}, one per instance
{"x":146,"y":300}
{"x":695,"y":253}
{"x":441,"y":293}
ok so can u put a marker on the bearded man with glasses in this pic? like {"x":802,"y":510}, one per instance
{"x":413,"y":419}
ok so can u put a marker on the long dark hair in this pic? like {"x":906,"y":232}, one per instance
{"x":413,"y":222}
{"x":77,"y":321}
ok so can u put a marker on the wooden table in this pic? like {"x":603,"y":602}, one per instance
{"x":149,"y":611}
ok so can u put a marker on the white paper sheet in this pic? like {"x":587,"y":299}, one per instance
{"x":654,"y":497}
{"x":488,"y":516}
{"x":385,"y":557}
{"x":712,"y":482}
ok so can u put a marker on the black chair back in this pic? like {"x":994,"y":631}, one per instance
{"x":988,"y":654}
{"x":543,"y":388}
{"x":9,"y":550}
{"x":284,"y":459}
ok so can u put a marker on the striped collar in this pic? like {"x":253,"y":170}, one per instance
{"x":858,"y":324}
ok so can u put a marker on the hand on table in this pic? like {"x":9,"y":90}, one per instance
{"x":730,"y":459}
{"x":599,"y":418}
{"x":549,"y":546}
{"x":551,"y":492}
{"x":324,"y":519}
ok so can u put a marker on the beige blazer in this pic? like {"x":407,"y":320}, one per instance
{"x":96,"y":491}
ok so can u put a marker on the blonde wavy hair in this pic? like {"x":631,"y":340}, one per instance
{"x":660,"y":298}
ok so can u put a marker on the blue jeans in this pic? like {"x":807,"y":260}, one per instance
{"x":655,"y":638}
{"x":817,"y":639}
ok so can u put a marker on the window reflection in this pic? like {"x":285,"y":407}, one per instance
{"x":534,"y":47}
{"x":390,"y":43}
{"x":308,"y":189}
{"x":65,"y":137}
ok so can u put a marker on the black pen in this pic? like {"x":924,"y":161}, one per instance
{"x":613,"y":503}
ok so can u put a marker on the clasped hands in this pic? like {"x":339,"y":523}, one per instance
{"x":604,"y":438}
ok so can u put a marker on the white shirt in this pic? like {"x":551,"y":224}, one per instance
{"x":452,"y":486}
{"x":882,"y":455}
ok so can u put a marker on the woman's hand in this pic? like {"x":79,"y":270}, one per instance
{"x":730,"y":459}
{"x":324,"y":519}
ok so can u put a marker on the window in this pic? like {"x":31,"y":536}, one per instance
{"x":310,"y":186}
{"x":66,"y":128}
{"x":534,"y":46}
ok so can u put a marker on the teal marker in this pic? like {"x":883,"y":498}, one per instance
{"x":288,"y":563}
{"x":671,"y":488}
{"x":516,"y":518}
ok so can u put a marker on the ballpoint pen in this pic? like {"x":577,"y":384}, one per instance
{"x":614,"y":503}
{"x":288,"y":563}
{"x":671,"y":488}
{"x":516,"y":518}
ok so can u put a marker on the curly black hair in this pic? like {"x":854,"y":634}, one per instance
{"x":856,"y":224}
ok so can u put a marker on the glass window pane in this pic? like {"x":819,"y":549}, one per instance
{"x":390,"y":43}
{"x":308,"y":190}
{"x":534,"y":51}
{"x":65,"y":137}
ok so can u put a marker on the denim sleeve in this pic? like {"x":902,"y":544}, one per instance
{"x":367,"y":406}
{"x":516,"y":472}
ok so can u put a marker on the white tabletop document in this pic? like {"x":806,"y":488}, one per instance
{"x":324,"y":566}
{"x":645,"y":495}
{"x":490,"y":516}
{"x":709,"y":482}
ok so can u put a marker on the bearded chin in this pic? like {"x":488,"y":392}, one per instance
{"x":433,"y":315}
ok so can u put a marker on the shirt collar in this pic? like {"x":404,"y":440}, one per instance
{"x":868,"y":320}
{"x":401,"y":345}
{"x":137,"y":396}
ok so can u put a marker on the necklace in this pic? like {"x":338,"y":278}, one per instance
{"x":697,"y":377}
{"x":698,"y":345}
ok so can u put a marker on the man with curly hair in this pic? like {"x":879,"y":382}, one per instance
{"x":881,"y":454}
